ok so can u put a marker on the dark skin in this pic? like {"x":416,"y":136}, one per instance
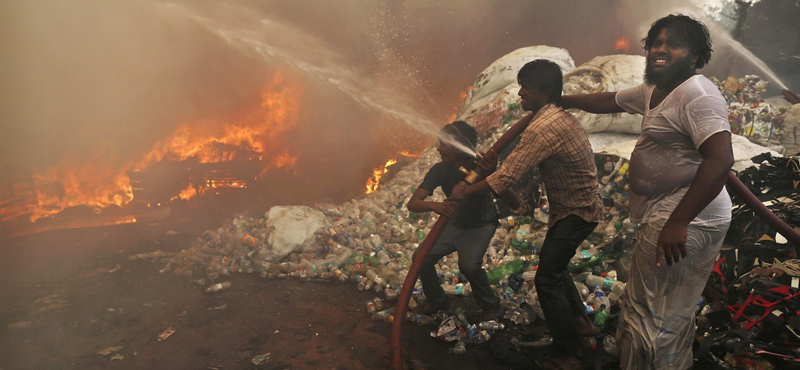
{"x":711,"y":175}
{"x":448,"y":208}
{"x":791,"y":97}
{"x":532,"y":100}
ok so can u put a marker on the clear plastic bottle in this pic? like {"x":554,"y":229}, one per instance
{"x":457,"y":289}
{"x":378,"y":303}
{"x":600,"y":298}
{"x":610,"y":345}
{"x":491,"y":325}
{"x":617,"y":290}
{"x":219,"y":286}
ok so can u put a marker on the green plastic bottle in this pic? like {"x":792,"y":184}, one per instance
{"x":496,"y":274}
{"x":600,"y":317}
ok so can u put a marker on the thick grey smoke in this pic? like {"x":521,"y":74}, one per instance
{"x":110,"y":79}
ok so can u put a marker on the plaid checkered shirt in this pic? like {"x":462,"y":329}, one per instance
{"x":557,"y":143}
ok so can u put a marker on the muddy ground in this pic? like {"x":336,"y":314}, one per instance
{"x":67,"y":295}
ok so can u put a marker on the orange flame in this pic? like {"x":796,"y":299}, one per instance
{"x":254,"y":136}
{"x":377,"y":173}
{"x":623,"y":44}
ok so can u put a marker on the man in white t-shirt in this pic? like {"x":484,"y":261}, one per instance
{"x":677,"y":175}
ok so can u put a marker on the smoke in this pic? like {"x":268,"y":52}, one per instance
{"x":92,"y":76}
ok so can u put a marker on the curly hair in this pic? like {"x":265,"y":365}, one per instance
{"x":689,"y":31}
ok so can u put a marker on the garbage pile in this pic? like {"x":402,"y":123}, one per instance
{"x":749,"y":314}
{"x":369,"y":241}
{"x":751,"y":117}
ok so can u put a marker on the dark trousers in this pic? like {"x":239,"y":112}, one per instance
{"x":558,"y":296}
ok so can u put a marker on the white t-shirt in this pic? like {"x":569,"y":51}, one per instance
{"x":665,"y":159}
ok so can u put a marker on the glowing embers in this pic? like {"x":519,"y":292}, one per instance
{"x":623,"y":44}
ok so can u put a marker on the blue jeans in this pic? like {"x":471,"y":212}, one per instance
{"x":558,"y":295}
{"x":471,"y":245}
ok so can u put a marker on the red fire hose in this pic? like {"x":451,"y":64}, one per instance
{"x":761,"y":210}
{"x":425,"y":248}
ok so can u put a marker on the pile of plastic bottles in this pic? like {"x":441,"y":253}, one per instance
{"x":369,"y":242}
{"x":751,"y":117}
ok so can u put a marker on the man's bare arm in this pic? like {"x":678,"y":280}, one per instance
{"x":706,"y":185}
{"x":604,"y":102}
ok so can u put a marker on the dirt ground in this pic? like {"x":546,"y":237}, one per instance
{"x":67,"y":295}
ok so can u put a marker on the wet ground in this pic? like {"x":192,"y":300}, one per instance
{"x":71,"y":299}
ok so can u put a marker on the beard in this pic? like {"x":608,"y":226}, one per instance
{"x":680,"y":69}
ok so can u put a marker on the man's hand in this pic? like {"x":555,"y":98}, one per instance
{"x":458,"y":191}
{"x":671,"y":243}
{"x":487,"y":162}
{"x":791,"y":97}
{"x":447,"y":208}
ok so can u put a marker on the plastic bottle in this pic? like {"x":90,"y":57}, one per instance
{"x":583,"y":290}
{"x":594,"y":280}
{"x":457,"y":289}
{"x":496,"y":274}
{"x":600,"y":298}
{"x":610,"y":345}
{"x":360,"y":280}
{"x":617,"y":290}
{"x":377,"y":303}
{"x":386,"y":316}
{"x":491,"y":325}
{"x":372,"y":275}
{"x":371,"y":307}
{"x":391,"y":293}
{"x":219,"y":286}
{"x":600,"y":317}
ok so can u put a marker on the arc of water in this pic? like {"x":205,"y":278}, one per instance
{"x":261,"y":38}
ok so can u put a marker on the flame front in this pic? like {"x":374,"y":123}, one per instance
{"x":254,"y":136}
{"x":623,"y":44}
{"x":377,"y":173}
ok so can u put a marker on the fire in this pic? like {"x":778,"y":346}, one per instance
{"x":187,"y":193}
{"x":253,"y":137}
{"x":377,"y":173}
{"x":73,"y":183}
{"x":464,"y":94}
{"x":283,"y":160}
{"x":623,"y":44}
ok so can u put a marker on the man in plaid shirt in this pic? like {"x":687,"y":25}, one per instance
{"x":556,"y":143}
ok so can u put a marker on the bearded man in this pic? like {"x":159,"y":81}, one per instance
{"x":677,"y":174}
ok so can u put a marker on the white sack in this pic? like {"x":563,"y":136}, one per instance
{"x":289,"y":227}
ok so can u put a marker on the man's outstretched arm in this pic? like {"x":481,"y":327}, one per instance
{"x":599,"y":103}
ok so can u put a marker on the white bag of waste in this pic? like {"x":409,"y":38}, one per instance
{"x":290,"y":227}
{"x":604,"y":74}
{"x":503,"y":72}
